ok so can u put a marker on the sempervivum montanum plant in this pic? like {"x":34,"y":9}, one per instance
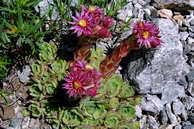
{"x":89,"y":25}
{"x":145,"y":34}
{"x":112,"y":107}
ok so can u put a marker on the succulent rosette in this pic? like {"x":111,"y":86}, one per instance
{"x":83,"y":80}
{"x":147,"y":34}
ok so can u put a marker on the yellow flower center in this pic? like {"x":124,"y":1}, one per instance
{"x":76,"y":84}
{"x":82,"y":23}
{"x":146,"y":35}
{"x":92,"y":8}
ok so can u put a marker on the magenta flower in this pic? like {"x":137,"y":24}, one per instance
{"x":92,"y":10}
{"x":82,"y":25}
{"x":82,"y":80}
{"x":104,"y":32}
{"x":95,"y":12}
{"x":147,"y":34}
{"x":107,"y":22}
{"x":92,"y":22}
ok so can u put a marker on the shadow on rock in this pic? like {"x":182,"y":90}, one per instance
{"x":135,"y":62}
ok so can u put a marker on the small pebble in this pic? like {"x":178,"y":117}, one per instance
{"x":165,"y":13}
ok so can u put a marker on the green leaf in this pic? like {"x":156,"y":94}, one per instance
{"x":25,"y":113}
{"x":56,"y":123}
{"x":114,"y":88}
{"x":96,"y":57}
{"x":50,"y":89}
{"x":66,"y":117}
{"x":127,"y":112}
{"x":112,"y":120}
{"x":134,"y":125}
{"x":89,"y":109}
{"x":4,"y":95}
{"x":35,"y":110}
{"x":35,"y":91}
{"x":47,"y":52}
{"x":46,"y":76}
{"x":130,"y":125}
{"x":134,"y":101}
{"x":36,"y":68}
{"x":59,"y":66}
{"x":74,"y":121}
{"x":114,"y":103}
{"x":127,"y":91}
{"x":90,"y":122}
{"x":100,"y":112}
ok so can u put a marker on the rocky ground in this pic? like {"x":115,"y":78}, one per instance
{"x":163,"y":77}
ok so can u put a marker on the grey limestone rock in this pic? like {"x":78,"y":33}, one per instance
{"x":148,"y":122}
{"x":178,"y":127}
{"x":190,"y":42}
{"x":138,"y":111}
{"x":172,"y":92}
{"x":163,"y":116}
{"x":184,"y":115}
{"x":16,"y":123}
{"x":175,"y":4}
{"x":34,"y":123}
{"x":144,"y":2}
{"x":157,"y":72}
{"x":74,"y":3}
{"x":192,"y":22}
{"x":191,"y":34}
{"x":25,"y":123}
{"x":190,"y":76}
{"x":188,"y":127}
{"x":178,"y":107}
{"x":188,"y":101}
{"x":126,"y":13}
{"x":191,"y":88}
{"x":184,"y":35}
{"x":171,"y":116}
{"x":43,"y":7}
{"x":186,"y":123}
{"x":153,"y":124}
{"x":143,"y":124}
{"x":151,"y":104}
{"x":191,"y":118}
{"x":191,"y":28}
{"x":24,"y":75}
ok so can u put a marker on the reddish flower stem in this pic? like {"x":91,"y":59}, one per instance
{"x":110,"y":64}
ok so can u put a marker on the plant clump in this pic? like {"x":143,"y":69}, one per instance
{"x":112,"y":105}
{"x":92,"y":99}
